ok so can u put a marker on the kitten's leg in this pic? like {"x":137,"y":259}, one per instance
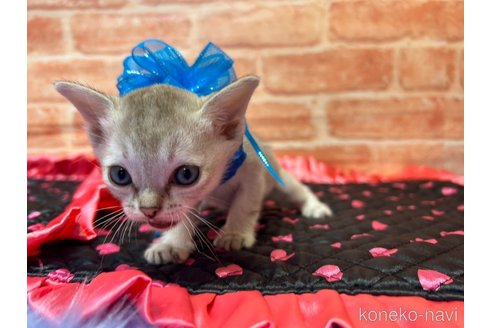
{"x":302,"y":196}
{"x":239,"y":229}
{"x":175,"y":245}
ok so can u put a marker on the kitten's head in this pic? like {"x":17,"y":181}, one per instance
{"x":162,"y":149}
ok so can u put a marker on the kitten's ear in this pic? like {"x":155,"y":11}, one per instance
{"x":227,"y":107}
{"x":90,"y":103}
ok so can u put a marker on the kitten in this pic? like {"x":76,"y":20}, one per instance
{"x":163,"y":151}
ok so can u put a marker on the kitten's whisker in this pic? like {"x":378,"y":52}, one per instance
{"x":189,"y":233}
{"x":203,"y":239}
{"x":118,"y":229}
{"x":109,"y":223}
{"x":104,"y":208}
{"x":99,"y":220}
{"x":123,"y":233}
{"x":195,"y":213}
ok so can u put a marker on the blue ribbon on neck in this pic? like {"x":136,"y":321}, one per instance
{"x":155,"y":62}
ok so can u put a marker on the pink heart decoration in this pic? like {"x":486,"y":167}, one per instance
{"x":229,"y":271}
{"x":432,"y":280}
{"x":360,"y":235}
{"x":358,"y":203}
{"x":399,"y":185}
{"x":319,"y":227}
{"x":33,"y":215}
{"x":108,"y":248}
{"x":189,"y":261}
{"x":344,"y":196}
{"x":145,"y":228}
{"x":427,"y":185}
{"x":280,"y":255}
{"x":360,"y":217}
{"x":336,"y":245}
{"x":102,"y":232}
{"x":379,"y":226}
{"x":212,"y":234}
{"x":289,"y":211}
{"x":393,"y":198}
{"x":287,"y":238}
{"x":36,"y":227}
{"x":437,"y":212}
{"x":319,"y":193}
{"x":259,"y":226}
{"x":427,"y":217}
{"x":388,"y":212}
{"x":461,"y":208}
{"x":381,"y":251}
{"x":430,"y":241}
{"x":123,"y":267}
{"x":290,"y":220}
{"x":448,"y":233}
{"x":60,"y":276}
{"x":448,"y":191}
{"x":330,"y":272}
{"x":205,"y":212}
{"x":367,"y":193}
{"x":335,"y":190}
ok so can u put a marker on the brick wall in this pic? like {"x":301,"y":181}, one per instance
{"x":370,"y":85}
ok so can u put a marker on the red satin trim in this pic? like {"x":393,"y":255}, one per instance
{"x":171,"y":305}
{"x":76,"y":222}
{"x":308,"y":169}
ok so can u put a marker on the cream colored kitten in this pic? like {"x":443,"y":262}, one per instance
{"x":164,"y":151}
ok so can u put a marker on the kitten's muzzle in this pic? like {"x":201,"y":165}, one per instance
{"x":150,"y":212}
{"x":162,"y":225}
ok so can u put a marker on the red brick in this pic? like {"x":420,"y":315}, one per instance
{"x":332,"y":70}
{"x":393,"y":158}
{"x":462,"y":68}
{"x":98,"y":73}
{"x":44,"y":36}
{"x":407,"y":118}
{"x":454,"y":119}
{"x":280,"y":121}
{"x":455,"y":159}
{"x":75,"y":4}
{"x":346,"y":156}
{"x":159,"y":2}
{"x":426,"y":68}
{"x":48,"y":126}
{"x":245,"y":66}
{"x":384,"y":159}
{"x":118,"y":34}
{"x":257,"y":26}
{"x":392,"y":20}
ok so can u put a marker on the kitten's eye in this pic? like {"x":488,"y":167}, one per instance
{"x":186,"y":175}
{"x":119,"y":176}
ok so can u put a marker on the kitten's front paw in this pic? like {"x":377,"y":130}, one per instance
{"x":235,"y":241}
{"x":162,"y":253}
{"x":314,"y":209}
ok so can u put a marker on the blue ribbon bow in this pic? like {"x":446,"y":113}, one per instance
{"x":155,"y":62}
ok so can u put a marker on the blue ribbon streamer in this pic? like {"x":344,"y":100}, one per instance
{"x":155,"y":62}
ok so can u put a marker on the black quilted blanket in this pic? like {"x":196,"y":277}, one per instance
{"x":382,"y":240}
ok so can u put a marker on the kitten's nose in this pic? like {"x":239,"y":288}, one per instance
{"x":149,"y":212}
